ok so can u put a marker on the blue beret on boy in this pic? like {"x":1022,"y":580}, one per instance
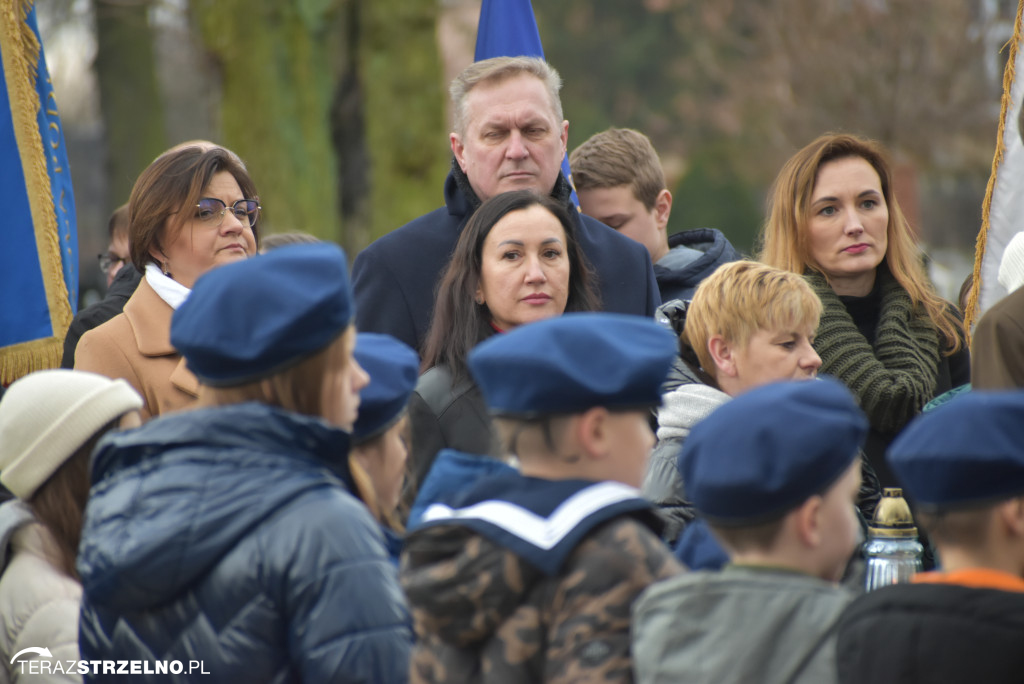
{"x":966,"y":452}
{"x":393,"y":368}
{"x":249,"y":319}
{"x":764,"y":453}
{"x":572,"y":363}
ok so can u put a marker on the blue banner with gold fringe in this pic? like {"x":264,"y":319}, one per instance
{"x":38,"y":240}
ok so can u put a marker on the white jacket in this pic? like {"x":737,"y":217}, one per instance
{"x":38,"y":603}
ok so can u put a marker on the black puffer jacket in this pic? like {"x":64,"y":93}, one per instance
{"x":925,"y":633}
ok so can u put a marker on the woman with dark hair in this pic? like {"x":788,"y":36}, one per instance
{"x":516,"y":261}
{"x":194,"y":208}
{"x":49,"y":423}
{"x":884,"y":331}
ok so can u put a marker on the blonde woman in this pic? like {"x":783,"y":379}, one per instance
{"x":747,"y":325}
{"x":884,"y":331}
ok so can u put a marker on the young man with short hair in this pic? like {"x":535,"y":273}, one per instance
{"x":620,"y":182}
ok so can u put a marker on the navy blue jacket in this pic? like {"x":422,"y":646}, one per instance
{"x":395,"y":278}
{"x":452,"y":473}
{"x":228,"y":536}
{"x":700,"y":252}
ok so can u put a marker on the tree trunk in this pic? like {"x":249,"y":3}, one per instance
{"x":277,"y":72}
{"x":406,"y":131}
{"x":129,"y":93}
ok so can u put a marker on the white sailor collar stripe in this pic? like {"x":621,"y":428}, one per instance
{"x":543,"y":540}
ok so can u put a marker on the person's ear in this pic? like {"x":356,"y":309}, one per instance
{"x":1011,"y":513}
{"x":269,"y":392}
{"x":723,"y":353}
{"x":591,"y":431}
{"x":366,"y":455}
{"x":662,"y":208}
{"x":157,"y":253}
{"x":458,"y":149}
{"x":565,"y":137}
{"x":808,"y":522}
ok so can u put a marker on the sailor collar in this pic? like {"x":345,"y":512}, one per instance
{"x":541,"y":521}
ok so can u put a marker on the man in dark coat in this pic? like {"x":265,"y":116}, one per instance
{"x":509,"y":134}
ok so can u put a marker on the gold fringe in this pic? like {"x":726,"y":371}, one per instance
{"x":20,"y":53}
{"x":21,"y":359}
{"x":986,"y":205}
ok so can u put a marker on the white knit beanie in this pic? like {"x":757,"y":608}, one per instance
{"x":1011,"y":268}
{"x":46,"y":416}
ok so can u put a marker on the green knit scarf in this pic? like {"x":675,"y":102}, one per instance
{"x":894,"y":379}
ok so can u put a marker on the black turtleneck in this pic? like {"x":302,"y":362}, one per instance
{"x":865,"y":310}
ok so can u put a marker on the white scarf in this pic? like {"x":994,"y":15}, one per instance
{"x":168,"y":289}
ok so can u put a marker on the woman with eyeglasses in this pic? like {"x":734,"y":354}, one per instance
{"x":193,"y":209}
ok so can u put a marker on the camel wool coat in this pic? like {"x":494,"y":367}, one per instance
{"x":136,"y":345}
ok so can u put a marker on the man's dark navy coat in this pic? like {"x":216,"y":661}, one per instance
{"x":395,"y":277}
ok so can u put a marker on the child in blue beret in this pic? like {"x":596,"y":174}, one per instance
{"x":962,"y":467}
{"x":380,"y":435}
{"x":233,"y":534}
{"x":775,"y":472}
{"x":529,"y":576}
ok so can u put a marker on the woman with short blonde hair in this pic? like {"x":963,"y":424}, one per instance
{"x":748,"y":324}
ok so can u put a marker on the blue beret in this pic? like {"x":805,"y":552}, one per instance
{"x":967,"y":451}
{"x":572,"y":363}
{"x":249,"y":319}
{"x":394,"y":368}
{"x":764,"y":453}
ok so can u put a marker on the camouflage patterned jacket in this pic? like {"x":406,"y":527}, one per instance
{"x":485,"y":611}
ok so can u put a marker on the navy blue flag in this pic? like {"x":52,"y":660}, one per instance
{"x":39,"y":254}
{"x":507,"y":28}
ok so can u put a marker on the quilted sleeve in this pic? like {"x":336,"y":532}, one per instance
{"x":347,"y":618}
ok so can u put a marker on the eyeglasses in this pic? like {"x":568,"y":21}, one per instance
{"x":107,"y":260}
{"x":211,"y":210}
